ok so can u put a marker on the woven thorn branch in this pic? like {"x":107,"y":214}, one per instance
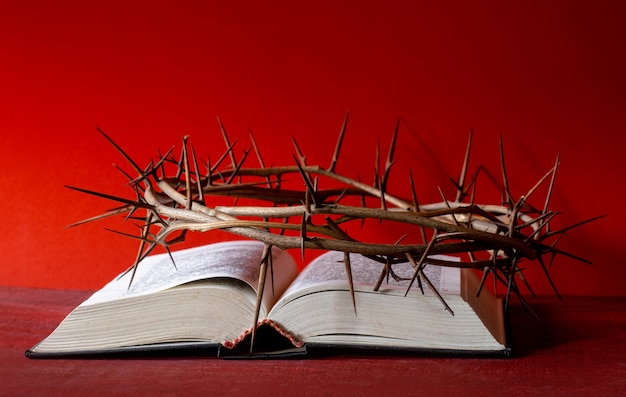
{"x":173,"y":196}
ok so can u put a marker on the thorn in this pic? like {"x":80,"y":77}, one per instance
{"x":432,"y":287}
{"x":549,"y":194}
{"x":187,"y":173}
{"x":256,"y":150}
{"x":270,"y":261}
{"x":461,"y":185}
{"x":341,"y":195}
{"x":133,"y":203}
{"x":259,"y":158}
{"x":119,"y":149}
{"x":521,"y":276}
{"x":545,"y":271}
{"x":383,"y":202}
{"x":229,"y":148}
{"x":238,"y":167}
{"x":544,"y":220}
{"x":333,"y":225}
{"x":553,"y":250}
{"x":416,"y":205}
{"x":169,"y":253}
{"x":348,"y":265}
{"x":383,"y":274}
{"x":377,"y":164}
{"x":141,"y":255}
{"x":303,"y":237}
{"x":511,"y":282}
{"x":301,"y":158}
{"x":307,"y":182}
{"x":565,"y":229}
{"x":418,"y":266}
{"x":335,"y":158}
{"x":390,"y":161}
{"x":109,"y":213}
{"x":259,"y":294}
{"x":222,"y":157}
{"x":445,"y":200}
{"x":158,"y":165}
{"x":197,"y":171}
{"x":505,"y":179}
{"x":532,"y":190}
{"x":474,"y":188}
{"x":131,"y":181}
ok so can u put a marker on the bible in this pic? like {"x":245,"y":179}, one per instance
{"x":205,"y":298}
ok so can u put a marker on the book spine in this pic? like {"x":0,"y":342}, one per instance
{"x":488,"y":307}
{"x":231,"y":344}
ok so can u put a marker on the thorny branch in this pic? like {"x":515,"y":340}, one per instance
{"x":496,"y":238}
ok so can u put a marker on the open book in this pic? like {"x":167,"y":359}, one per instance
{"x":207,"y":297}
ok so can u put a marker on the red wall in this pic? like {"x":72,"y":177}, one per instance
{"x":548,"y":76}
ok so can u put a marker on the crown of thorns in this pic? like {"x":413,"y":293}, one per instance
{"x":174,"y":194}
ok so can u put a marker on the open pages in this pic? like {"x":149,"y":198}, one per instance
{"x":206,"y":295}
{"x":318,"y":308}
{"x":238,"y":260}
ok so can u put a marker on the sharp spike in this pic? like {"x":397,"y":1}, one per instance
{"x":342,"y":133}
{"x":222,"y":157}
{"x":348,"y":265}
{"x":418,"y":266}
{"x":390,"y":161}
{"x":549,"y":194}
{"x":575,"y":225}
{"x":238,"y":167}
{"x":301,"y":157}
{"x":119,"y":149}
{"x":133,"y":203}
{"x":260,"y":158}
{"x":545,"y":271}
{"x":377,"y":164}
{"x":383,"y":274}
{"x":197,"y":172}
{"x":505,"y":179}
{"x":187,"y":173}
{"x":546,"y":175}
{"x":229,"y":148}
{"x":461,"y":184}
{"x":307,"y":182}
{"x":259,"y":293}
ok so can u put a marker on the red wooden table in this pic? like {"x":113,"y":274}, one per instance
{"x":579,"y":348}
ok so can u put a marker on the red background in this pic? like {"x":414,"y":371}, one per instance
{"x":548,"y":76}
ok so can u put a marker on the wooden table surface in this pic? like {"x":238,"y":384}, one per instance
{"x":579,"y":348}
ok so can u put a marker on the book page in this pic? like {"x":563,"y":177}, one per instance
{"x":319,"y":309}
{"x":234,"y":259}
{"x":329,"y":269}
